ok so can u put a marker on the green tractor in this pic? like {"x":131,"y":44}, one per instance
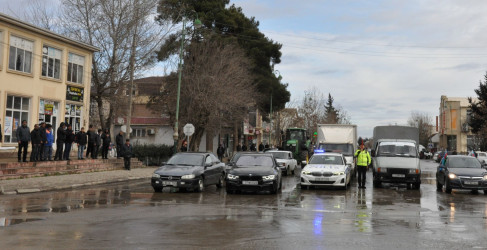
{"x":297,"y":142}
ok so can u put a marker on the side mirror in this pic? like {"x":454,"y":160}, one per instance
{"x":230,"y":164}
{"x":163,"y":163}
{"x":303,"y":163}
{"x":372,"y":153}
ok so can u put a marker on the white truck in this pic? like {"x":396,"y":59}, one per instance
{"x":395,"y":156}
{"x":338,"y":138}
{"x":285,"y":160}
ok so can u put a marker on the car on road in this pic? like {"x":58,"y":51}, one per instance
{"x":461,"y":172}
{"x":482,"y":156}
{"x":192,"y":171}
{"x":254,"y":172}
{"x":326,"y":169}
{"x":285,"y":161}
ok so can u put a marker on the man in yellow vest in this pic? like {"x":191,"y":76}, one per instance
{"x":363,"y":160}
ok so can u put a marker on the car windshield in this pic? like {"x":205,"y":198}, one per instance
{"x":254,"y":160}
{"x":463,"y":162}
{"x":401,"y":149}
{"x":186,"y":160}
{"x":346,"y":149}
{"x":280,"y":155}
{"x":326,"y":159}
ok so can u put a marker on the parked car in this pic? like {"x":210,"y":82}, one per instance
{"x":254,"y":172}
{"x":285,"y":161}
{"x":191,"y":171}
{"x":461,"y":172}
{"x":482,"y":156}
{"x":326,"y":169}
{"x":435,"y":155}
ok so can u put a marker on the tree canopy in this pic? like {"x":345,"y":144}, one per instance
{"x":478,"y":119}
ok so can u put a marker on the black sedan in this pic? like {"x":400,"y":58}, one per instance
{"x":461,"y":172}
{"x":191,"y":171}
{"x":254,"y":172}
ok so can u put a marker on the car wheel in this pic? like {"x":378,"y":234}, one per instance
{"x":485,"y":191}
{"x":439,"y":186}
{"x":377,"y":184}
{"x":448,"y":189}
{"x":293,"y":170}
{"x":201,"y":185}
{"x":274,"y":189}
{"x":288,"y":171}
{"x":416,"y":186}
{"x":220,"y":181}
{"x":158,"y":189}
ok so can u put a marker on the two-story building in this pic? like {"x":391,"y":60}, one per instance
{"x":44,"y":77}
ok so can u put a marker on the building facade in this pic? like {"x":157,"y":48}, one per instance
{"x":44,"y":77}
{"x":454,"y":131}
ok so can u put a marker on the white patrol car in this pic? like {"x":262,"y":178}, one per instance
{"x":326,"y":169}
{"x":285,"y":160}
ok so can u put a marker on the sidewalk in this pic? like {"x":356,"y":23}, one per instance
{"x":51,"y":183}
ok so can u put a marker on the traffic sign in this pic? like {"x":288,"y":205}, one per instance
{"x":188,"y":129}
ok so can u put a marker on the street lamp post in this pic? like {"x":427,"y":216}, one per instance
{"x":197,"y":23}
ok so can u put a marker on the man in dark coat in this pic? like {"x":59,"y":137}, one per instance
{"x":105,"y":139}
{"x":42,"y":132}
{"x":60,"y":139}
{"x":68,"y":142}
{"x":119,"y":142}
{"x":35,"y":137}
{"x":244,"y":147}
{"x":261,"y":147}
{"x":239,"y":148}
{"x":220,"y":151}
{"x":127,"y":152}
{"x":23,"y":137}
{"x":81,"y":140}
{"x":91,"y":141}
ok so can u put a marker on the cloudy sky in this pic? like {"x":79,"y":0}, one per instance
{"x":379,"y":59}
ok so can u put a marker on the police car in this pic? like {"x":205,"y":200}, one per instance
{"x":326,"y":169}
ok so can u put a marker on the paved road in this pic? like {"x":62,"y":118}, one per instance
{"x":131,"y":216}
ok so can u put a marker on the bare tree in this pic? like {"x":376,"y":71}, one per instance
{"x":424,"y":122}
{"x":216,"y":88}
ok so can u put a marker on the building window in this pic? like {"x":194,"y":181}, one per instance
{"x":20,"y":57}
{"x":138,"y":132}
{"x":72,"y":115}
{"x":51,"y":62}
{"x":48,"y":112}
{"x":17,"y":110}
{"x":75,"y":68}
{"x":1,"y":50}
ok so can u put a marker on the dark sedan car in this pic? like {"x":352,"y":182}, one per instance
{"x":254,"y":172}
{"x":461,"y":172}
{"x":191,"y":171}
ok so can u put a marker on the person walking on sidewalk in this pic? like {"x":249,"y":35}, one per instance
{"x":23,"y":137}
{"x":127,"y":152}
{"x":48,"y":144}
{"x":35,"y":137}
{"x":119,"y":142}
{"x":42,"y":132}
{"x":69,"y":142}
{"x":106,"y":140}
{"x":363,"y":160}
{"x":61,"y":138}
{"x":81,"y":139}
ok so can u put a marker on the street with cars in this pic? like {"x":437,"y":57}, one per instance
{"x":131,"y":215}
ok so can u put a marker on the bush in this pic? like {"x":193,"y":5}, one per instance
{"x":153,"y":154}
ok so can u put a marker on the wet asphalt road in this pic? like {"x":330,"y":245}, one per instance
{"x":132,"y":216}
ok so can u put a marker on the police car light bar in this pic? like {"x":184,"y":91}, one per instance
{"x":319,"y":150}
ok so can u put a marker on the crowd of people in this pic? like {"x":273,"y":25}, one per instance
{"x":42,"y":140}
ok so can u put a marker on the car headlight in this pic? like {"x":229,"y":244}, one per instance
{"x":339,"y":173}
{"x":306,"y":173}
{"x":283,"y":164}
{"x":156,"y":175}
{"x":382,"y":170}
{"x":232,"y":177}
{"x":485,"y":178}
{"x":268,"y":177}
{"x":188,"y":176}
{"x":414,"y":171}
{"x":452,"y":176}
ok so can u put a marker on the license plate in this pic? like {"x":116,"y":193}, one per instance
{"x":398,"y":175}
{"x":322,"y":179}
{"x":170,"y":183}
{"x":471,"y":183}
{"x":250,"y":182}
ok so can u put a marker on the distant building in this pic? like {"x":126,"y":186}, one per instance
{"x":454,"y":132}
{"x":44,"y":77}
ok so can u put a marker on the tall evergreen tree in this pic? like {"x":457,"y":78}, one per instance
{"x":478,"y":120}
{"x":332,"y":114}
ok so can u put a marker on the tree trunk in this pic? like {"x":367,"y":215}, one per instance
{"x":209,"y":140}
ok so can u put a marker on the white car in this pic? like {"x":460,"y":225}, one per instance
{"x":482,"y":157}
{"x":326,"y":169}
{"x":285,"y":160}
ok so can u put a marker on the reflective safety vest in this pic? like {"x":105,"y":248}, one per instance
{"x":363,"y":158}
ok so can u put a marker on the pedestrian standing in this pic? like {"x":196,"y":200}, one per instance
{"x":220,"y":151}
{"x":184,"y":146}
{"x":244,"y":147}
{"x":35,"y":137}
{"x":81,"y":140}
{"x":261,"y":147}
{"x":127,"y":152}
{"x":96,"y":148}
{"x":363,"y":160}
{"x":119,"y":142}
{"x":106,"y":140}
{"x":48,"y":144}
{"x":91,"y":141}
{"x":42,"y":132}
{"x":23,"y":137}
{"x":252,"y":147}
{"x":239,"y":147}
{"x":61,"y":138}
{"x":68,"y":142}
